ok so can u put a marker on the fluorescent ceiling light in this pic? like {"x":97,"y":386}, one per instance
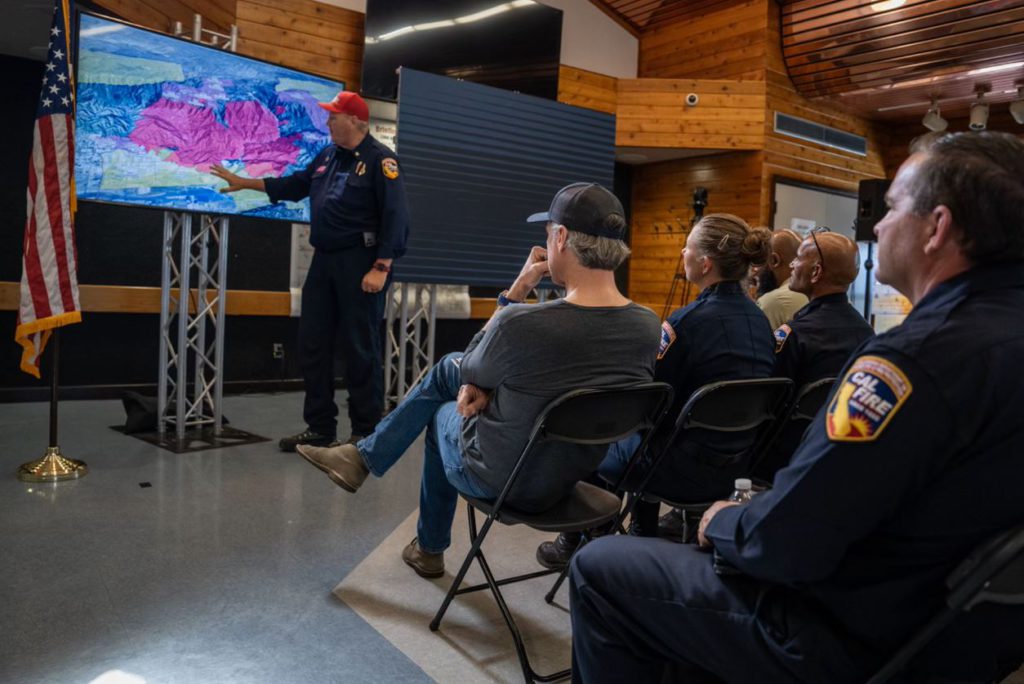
{"x":993,"y":69}
{"x":434,"y":25}
{"x":397,"y":32}
{"x":490,"y":12}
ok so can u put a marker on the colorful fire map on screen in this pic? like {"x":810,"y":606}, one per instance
{"x":155,"y":113}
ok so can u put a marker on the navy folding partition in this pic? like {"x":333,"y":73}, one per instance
{"x":477,"y":161}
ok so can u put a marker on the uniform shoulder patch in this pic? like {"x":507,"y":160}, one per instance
{"x":389,"y":165}
{"x":668,"y":336}
{"x":781,"y":335}
{"x":866,"y":400}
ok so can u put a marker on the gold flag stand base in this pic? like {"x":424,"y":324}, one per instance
{"x":52,"y":468}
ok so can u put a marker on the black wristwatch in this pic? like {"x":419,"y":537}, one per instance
{"x":503,"y":299}
{"x":383,"y":268}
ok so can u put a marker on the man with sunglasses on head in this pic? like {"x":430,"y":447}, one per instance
{"x":820,"y":337}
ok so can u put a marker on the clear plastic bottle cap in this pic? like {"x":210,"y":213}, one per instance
{"x":744,"y":484}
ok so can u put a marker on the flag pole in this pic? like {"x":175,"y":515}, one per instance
{"x":53,"y":467}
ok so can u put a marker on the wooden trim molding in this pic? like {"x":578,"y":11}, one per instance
{"x":146,"y":300}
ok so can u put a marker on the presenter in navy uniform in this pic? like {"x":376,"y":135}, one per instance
{"x":359,"y":224}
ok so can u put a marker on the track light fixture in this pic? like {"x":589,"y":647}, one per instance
{"x":979,"y":113}
{"x":1017,"y":107}
{"x":933,"y":120}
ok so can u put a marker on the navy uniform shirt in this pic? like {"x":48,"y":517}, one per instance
{"x":722,"y":335}
{"x":819,"y":339}
{"x":915,"y":459}
{"x":351,"y":192}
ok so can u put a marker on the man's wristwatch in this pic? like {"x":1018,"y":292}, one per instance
{"x":382,"y":267}
{"x":503,"y":299}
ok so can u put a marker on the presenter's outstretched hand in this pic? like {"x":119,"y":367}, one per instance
{"x":471,"y":400}
{"x":374,"y":281}
{"x":234,"y":181}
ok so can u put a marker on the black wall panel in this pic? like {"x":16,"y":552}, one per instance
{"x":477,"y":161}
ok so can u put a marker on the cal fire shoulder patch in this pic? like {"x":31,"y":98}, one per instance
{"x":870,"y":394}
{"x":781,"y":335}
{"x":668,"y":336}
{"x":390,"y":167}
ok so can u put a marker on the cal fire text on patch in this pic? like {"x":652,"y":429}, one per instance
{"x":870,"y":394}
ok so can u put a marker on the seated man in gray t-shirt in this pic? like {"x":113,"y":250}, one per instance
{"x":478,"y":407}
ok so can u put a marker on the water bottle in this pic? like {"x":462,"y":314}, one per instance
{"x":744,"y":491}
{"x":743,"y":494}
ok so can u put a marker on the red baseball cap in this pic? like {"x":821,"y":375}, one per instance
{"x":348,"y":102}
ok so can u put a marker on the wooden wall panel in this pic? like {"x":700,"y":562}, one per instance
{"x":662,"y":196}
{"x":720,"y":41}
{"x":587,"y":89}
{"x":305,"y":35}
{"x":160,"y":15}
{"x":653,"y":113}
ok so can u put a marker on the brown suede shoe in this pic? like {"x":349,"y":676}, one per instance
{"x":343,"y":464}
{"x":429,"y":565}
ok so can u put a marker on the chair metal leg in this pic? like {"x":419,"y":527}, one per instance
{"x":475,"y":551}
{"x":529,"y":675}
{"x":550,"y":596}
{"x":478,"y":540}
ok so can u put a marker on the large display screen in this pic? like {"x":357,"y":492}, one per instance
{"x":155,"y":113}
{"x":511,"y":45}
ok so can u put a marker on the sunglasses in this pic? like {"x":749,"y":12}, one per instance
{"x":814,"y":236}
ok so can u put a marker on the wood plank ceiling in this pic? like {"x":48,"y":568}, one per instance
{"x":882,"y":59}
{"x":888,"y":59}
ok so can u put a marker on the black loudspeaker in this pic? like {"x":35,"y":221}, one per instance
{"x":870,"y":207}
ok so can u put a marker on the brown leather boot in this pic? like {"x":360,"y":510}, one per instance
{"x":429,"y":565}
{"x":343,"y":464}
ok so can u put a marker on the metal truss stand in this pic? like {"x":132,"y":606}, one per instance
{"x":188,"y":320}
{"x":409,"y":340}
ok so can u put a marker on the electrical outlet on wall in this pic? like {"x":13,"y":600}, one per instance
{"x":278,"y":350}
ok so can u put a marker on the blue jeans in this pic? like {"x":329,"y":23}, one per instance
{"x":430,"y":405}
{"x":617,"y":458}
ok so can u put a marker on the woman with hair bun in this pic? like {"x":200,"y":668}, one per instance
{"x":722,"y":335}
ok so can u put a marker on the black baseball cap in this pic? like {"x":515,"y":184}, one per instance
{"x":584,"y":208}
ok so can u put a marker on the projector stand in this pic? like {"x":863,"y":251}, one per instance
{"x":409,"y":349}
{"x":185,"y":317}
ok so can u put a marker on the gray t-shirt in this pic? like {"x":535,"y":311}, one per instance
{"x":530,"y":354}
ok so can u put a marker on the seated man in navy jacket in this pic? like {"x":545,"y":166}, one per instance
{"x":903,"y":473}
{"x":818,"y":340}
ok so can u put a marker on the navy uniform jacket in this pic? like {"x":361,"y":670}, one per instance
{"x":722,"y":335}
{"x":914,"y":461}
{"x":819,"y":339}
{"x":351,"y":193}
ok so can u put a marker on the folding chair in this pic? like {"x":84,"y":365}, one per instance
{"x":725,"y":406}
{"x":586,"y":417}
{"x":992,"y":573}
{"x":795,"y":419}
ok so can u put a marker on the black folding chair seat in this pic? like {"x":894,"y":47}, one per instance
{"x":992,"y":573}
{"x":585,"y":417}
{"x":731,"y":406}
{"x":586,"y":507}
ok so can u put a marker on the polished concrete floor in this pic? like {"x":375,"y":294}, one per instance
{"x":221,"y":571}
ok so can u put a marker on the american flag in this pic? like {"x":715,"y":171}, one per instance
{"x":49,"y":277}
